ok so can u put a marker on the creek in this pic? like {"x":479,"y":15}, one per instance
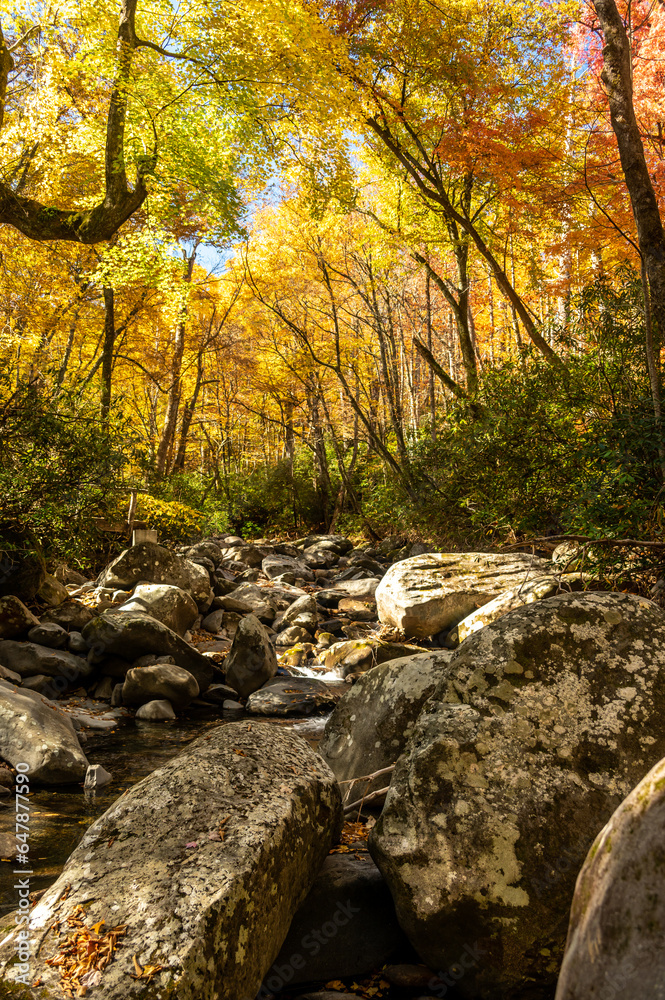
{"x":60,"y":815}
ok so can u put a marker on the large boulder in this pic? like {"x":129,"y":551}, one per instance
{"x":148,"y":562}
{"x":159,"y":682}
{"x":372,"y":723}
{"x":541,"y":725}
{"x":133,"y":634}
{"x":29,"y":659}
{"x":34,"y":732}
{"x":15,"y":619}
{"x":251,"y":660}
{"x":428,"y":593}
{"x":615,"y":937}
{"x":204,"y":863}
{"x":172,"y":606}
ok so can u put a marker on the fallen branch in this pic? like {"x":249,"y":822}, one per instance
{"x":588,"y":540}
{"x":372,"y":797}
{"x":365,"y":777}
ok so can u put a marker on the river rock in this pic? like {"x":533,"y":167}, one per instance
{"x":429,"y":593}
{"x":358,"y":655}
{"x":15,"y":619}
{"x":199,"y":585}
{"x":133,"y":634}
{"x":241,"y":552}
{"x":148,"y":562}
{"x":156,"y":711}
{"x":48,"y":634}
{"x":172,"y":606}
{"x":34,"y":732}
{"x":52,"y":592}
{"x":535,"y":590}
{"x":345,"y":927}
{"x":96,"y":777}
{"x":251,"y":660}
{"x":618,"y":912}
{"x":71,"y":615}
{"x":212,"y":908}
{"x":541,"y":725}
{"x":290,"y":696}
{"x":302,"y":613}
{"x":276,"y":565}
{"x":292,"y":635}
{"x":206,"y":549}
{"x":164,"y":680}
{"x":10,"y":676}
{"x":29,"y":659}
{"x":374,"y":720}
{"x":362,"y":590}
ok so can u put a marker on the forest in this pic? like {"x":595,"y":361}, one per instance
{"x":290,"y":266}
{"x":332,"y":500}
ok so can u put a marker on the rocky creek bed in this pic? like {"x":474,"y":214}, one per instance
{"x":486,"y":714}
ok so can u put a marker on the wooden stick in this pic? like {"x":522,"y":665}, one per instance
{"x":372,"y":797}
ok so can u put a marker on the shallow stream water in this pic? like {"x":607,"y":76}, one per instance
{"x":60,"y":815}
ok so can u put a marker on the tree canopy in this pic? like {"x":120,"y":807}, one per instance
{"x":300,"y":261}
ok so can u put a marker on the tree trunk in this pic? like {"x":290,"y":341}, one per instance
{"x":617,"y":79}
{"x":107,"y":351}
{"x":173,"y":398}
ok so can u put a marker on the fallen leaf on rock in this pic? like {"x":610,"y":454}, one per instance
{"x":84,"y":954}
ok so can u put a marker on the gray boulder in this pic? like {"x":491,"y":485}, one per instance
{"x":164,"y":680}
{"x":148,"y":562}
{"x":206,"y":549}
{"x":242,"y":553}
{"x":204,"y":862}
{"x":52,"y":592}
{"x":15,"y":619}
{"x":34,"y":732}
{"x":534,"y":590}
{"x":170,"y":605}
{"x":345,"y":927}
{"x":615,"y":936}
{"x":431,"y":592}
{"x":133,"y":634}
{"x":28,"y":659}
{"x":71,"y":615}
{"x":541,"y":725}
{"x":156,"y":711}
{"x":53,"y":636}
{"x":199,"y":585}
{"x":276,"y":565}
{"x":290,"y":696}
{"x":374,"y":720}
{"x":301,"y":613}
{"x":362,"y":590}
{"x":251,"y":660}
{"x":351,"y":656}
